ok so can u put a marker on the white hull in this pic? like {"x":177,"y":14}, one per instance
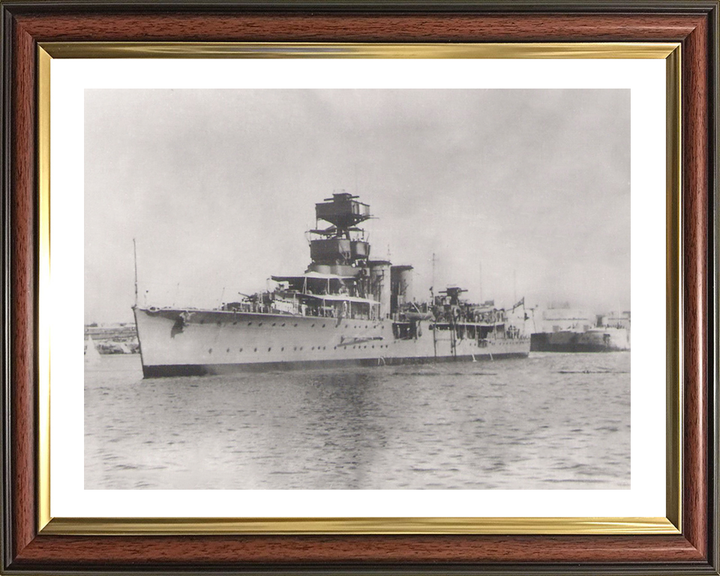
{"x":180,"y":342}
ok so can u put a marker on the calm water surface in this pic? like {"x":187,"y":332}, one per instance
{"x":550,"y":421}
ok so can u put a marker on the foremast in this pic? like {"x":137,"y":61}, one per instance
{"x":341,"y":280}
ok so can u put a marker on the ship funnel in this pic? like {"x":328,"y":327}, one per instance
{"x":401,"y":286}
{"x":380,"y":284}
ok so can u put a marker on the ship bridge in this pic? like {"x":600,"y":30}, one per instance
{"x":317,"y":283}
{"x":342,"y":243}
{"x":329,"y":295}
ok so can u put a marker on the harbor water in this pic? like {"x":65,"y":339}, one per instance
{"x":551,"y":421}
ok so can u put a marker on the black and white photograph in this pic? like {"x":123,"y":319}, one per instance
{"x":357,"y":289}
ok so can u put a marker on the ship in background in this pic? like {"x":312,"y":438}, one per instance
{"x":345,"y":309}
{"x":569,"y":330}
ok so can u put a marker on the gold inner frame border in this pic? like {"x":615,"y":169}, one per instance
{"x":671,"y":524}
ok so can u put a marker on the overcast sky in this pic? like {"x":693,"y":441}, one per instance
{"x":516,"y":192}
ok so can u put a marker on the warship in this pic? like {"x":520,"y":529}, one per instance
{"x":346,"y":309}
{"x":600,"y":339}
{"x":565,"y":330}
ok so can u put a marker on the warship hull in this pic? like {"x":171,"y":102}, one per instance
{"x":595,"y":340}
{"x":184,"y":342}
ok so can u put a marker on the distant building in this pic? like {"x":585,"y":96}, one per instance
{"x":116,"y":338}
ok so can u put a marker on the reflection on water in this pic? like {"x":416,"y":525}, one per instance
{"x":550,"y":421}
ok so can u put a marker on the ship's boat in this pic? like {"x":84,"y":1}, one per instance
{"x":345,"y":309}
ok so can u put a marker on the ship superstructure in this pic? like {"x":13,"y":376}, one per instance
{"x":345,"y":309}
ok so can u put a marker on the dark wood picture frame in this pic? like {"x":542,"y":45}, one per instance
{"x":25,"y":24}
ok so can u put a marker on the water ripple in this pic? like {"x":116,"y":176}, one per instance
{"x":553,"y":421}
